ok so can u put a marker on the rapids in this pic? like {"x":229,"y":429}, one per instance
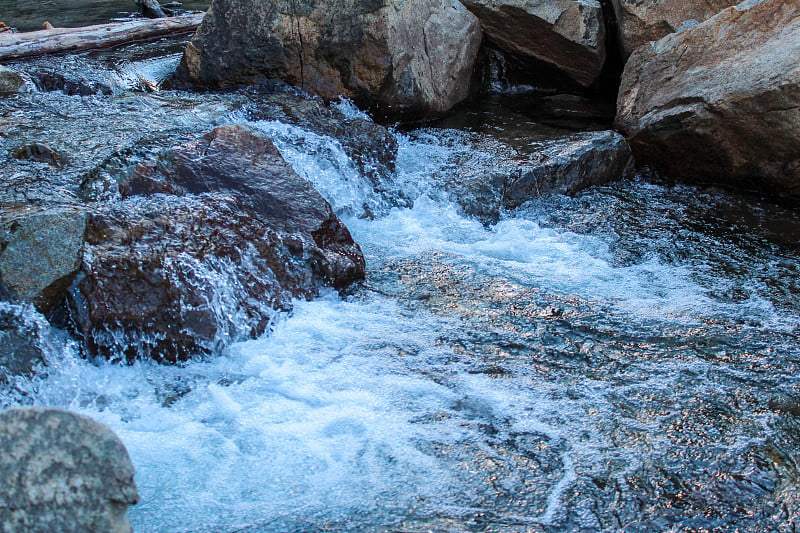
{"x":622,"y":360}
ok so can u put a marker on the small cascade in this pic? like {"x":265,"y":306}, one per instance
{"x":585,"y":363}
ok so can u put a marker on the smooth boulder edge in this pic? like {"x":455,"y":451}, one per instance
{"x":396,"y":57}
{"x":63,"y":472}
{"x":720,"y":102}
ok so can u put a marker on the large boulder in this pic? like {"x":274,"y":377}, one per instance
{"x":63,"y":472}
{"x":396,"y":56}
{"x":484,"y":187}
{"x":205,"y":244}
{"x":639,"y":22}
{"x":566,"y":34}
{"x":720,"y":101}
{"x":40,"y":251}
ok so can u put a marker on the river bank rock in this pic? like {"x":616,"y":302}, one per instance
{"x":483,"y":187}
{"x":639,"y":22}
{"x":60,"y":471}
{"x":40,"y":251}
{"x":393,"y":56}
{"x":568,"y":35}
{"x":10,"y":81}
{"x":205,"y":245}
{"x":720,"y":102}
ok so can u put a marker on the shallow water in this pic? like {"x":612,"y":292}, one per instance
{"x":624,"y":360}
{"x":30,"y":15}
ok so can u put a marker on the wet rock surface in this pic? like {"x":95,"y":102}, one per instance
{"x":568,"y":35}
{"x":484,"y":186}
{"x":720,"y":101}
{"x":206,"y":244}
{"x":21,"y":341}
{"x":380,"y":54}
{"x":372,"y":147}
{"x":60,"y":471}
{"x":40,"y":252}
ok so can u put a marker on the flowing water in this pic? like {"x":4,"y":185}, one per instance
{"x":623,"y":360}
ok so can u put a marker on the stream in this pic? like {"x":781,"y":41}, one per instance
{"x":626,"y":359}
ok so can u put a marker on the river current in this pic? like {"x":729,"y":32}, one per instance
{"x":623,"y":360}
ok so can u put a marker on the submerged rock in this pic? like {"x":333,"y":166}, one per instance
{"x":566,"y":34}
{"x":565,"y":166}
{"x":720,"y":102}
{"x":372,"y":147}
{"x":10,"y":81}
{"x":40,"y":252}
{"x":639,"y":22}
{"x":206,"y":243}
{"x":60,"y":471}
{"x":21,"y":340}
{"x":394,"y":56}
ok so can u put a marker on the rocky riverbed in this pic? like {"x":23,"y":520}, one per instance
{"x":489,"y":322}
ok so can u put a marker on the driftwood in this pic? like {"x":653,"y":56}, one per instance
{"x":16,"y":45}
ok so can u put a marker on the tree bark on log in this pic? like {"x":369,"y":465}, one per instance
{"x":17,"y":45}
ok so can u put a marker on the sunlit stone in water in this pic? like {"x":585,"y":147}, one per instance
{"x":625,"y":360}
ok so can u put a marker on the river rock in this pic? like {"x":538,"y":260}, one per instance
{"x":485,"y":186}
{"x":720,"y":102}
{"x":370,"y":146}
{"x":566,"y":34}
{"x":396,"y":56}
{"x":205,"y":244}
{"x":10,"y":81}
{"x":40,"y":251}
{"x":22,"y":339}
{"x":639,"y":22}
{"x":63,"y":472}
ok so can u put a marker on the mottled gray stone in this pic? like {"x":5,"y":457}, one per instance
{"x":40,"y":252}
{"x":62,"y":472}
{"x":485,"y":186}
{"x":22,"y":335}
{"x":10,"y":81}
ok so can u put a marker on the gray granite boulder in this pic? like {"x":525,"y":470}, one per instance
{"x":40,"y":251}
{"x":62,"y":472}
{"x":397,"y":57}
{"x":484,"y":186}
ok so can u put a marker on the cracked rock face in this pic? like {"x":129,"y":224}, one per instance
{"x":720,"y":102}
{"x":566,"y":34}
{"x":640,"y":22}
{"x":62,"y":472}
{"x":203,"y":246}
{"x":398,"y":57}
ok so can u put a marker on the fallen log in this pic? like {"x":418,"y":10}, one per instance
{"x":17,"y":45}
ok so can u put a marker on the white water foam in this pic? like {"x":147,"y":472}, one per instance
{"x":346,"y":416}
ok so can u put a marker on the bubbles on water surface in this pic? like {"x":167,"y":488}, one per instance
{"x":577,"y":366}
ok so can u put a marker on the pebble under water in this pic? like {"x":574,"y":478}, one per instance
{"x":623,"y":360}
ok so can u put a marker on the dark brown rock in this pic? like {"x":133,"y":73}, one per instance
{"x":206,"y":244}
